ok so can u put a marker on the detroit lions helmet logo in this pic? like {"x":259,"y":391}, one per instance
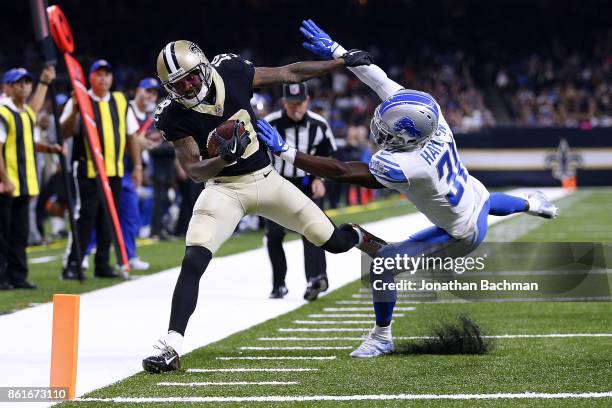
{"x":407,"y":125}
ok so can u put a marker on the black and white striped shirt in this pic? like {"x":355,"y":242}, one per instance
{"x":311,"y":135}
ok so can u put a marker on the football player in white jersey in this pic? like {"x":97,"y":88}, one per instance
{"x":418,"y":158}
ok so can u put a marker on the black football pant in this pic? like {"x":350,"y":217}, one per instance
{"x":14,"y":230}
{"x":314,"y":257}
{"x":90,"y":215}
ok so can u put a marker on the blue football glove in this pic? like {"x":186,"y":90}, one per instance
{"x":318,"y":41}
{"x":271,"y":137}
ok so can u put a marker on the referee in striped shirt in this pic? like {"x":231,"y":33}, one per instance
{"x":309,"y":133}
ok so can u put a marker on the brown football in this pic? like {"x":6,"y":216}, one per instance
{"x":225,"y":131}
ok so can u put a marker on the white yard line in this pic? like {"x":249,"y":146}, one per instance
{"x":377,"y":397}
{"x":297,"y":348}
{"x":42,"y":259}
{"x":207,"y":383}
{"x":499,"y":336}
{"x":362,"y":309}
{"x":248,"y":370}
{"x":326,"y":315}
{"x":278,"y":358}
{"x":332,"y":321}
{"x":323,"y":329}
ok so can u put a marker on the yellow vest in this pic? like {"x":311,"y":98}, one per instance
{"x":111,"y":122}
{"x":18,"y":151}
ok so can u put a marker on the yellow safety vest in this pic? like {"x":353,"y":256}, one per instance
{"x":111,"y":122}
{"x":18,"y":150}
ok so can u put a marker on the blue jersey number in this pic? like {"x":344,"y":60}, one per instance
{"x":449,"y":163}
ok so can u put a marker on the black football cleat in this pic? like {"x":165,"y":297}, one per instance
{"x":279,"y":292}
{"x":166,"y":360}
{"x":316,"y":286}
{"x":368,"y":242}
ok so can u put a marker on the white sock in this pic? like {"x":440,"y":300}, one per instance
{"x":382,"y":333}
{"x":175,"y":340}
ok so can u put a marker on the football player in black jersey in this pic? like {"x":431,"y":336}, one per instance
{"x":240,"y":180}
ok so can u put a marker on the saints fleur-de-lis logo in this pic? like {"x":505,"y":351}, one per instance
{"x":563,"y":162}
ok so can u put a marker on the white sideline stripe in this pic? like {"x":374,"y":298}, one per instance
{"x":278,"y":358}
{"x":371,"y":315}
{"x":324,"y":329}
{"x":332,"y":321}
{"x":248,"y":370}
{"x":378,"y":397}
{"x":207,"y":383}
{"x":361,"y":309}
{"x":298,"y":348}
{"x":499,"y":336}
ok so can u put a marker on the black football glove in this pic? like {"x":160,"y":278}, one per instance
{"x":231,"y":149}
{"x":357,"y":58}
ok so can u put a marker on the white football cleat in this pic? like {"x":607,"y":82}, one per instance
{"x":373,"y":346}
{"x":541,"y":206}
{"x":138,"y":264}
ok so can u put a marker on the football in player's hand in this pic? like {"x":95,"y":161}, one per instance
{"x":224,"y":131}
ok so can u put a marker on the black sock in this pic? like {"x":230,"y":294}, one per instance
{"x":185,"y":295}
{"x":344,"y":238}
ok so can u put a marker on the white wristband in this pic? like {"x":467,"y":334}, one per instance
{"x":339,"y":51}
{"x":289,"y":155}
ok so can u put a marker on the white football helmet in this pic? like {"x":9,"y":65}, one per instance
{"x":405,"y":121}
{"x":177,"y":60}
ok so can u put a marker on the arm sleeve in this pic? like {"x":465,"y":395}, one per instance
{"x":374,"y":77}
{"x":67,"y":109}
{"x":36,"y":134}
{"x":131,"y":122}
{"x":3,"y":130}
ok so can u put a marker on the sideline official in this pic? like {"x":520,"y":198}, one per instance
{"x":116,"y":124}
{"x":19,"y":140}
{"x":309,"y":133}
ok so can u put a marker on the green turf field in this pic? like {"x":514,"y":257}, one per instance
{"x":537,"y":364}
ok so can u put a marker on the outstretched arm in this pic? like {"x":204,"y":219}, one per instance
{"x":320,"y":43}
{"x":293,"y":73}
{"x":344,"y":172}
{"x":356,"y":173}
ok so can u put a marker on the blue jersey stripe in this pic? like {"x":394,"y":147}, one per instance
{"x":389,"y":162}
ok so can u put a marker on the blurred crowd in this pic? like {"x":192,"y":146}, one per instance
{"x":563,"y":87}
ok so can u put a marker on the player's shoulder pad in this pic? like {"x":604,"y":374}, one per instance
{"x":162,"y":112}
{"x":384,"y":167}
{"x":229,"y":61}
{"x":273,"y":116}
